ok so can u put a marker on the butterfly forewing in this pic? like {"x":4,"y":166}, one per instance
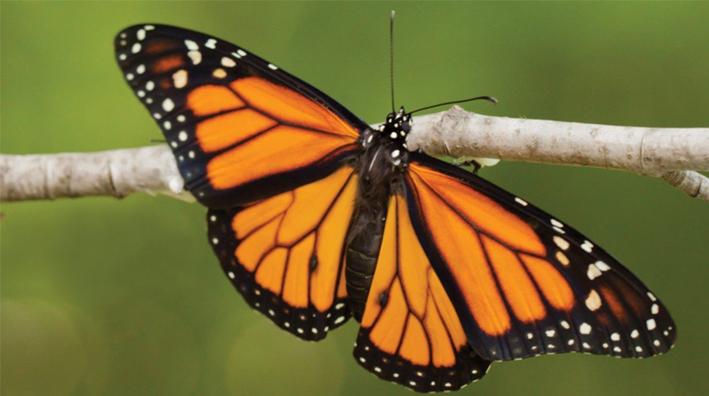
{"x":241,"y":129}
{"x":524,"y":283}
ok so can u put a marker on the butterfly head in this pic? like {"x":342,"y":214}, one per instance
{"x":397,"y":126}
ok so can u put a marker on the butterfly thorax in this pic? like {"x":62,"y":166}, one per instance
{"x":383,"y":160}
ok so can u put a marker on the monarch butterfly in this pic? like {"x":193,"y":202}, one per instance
{"x":316,"y":218}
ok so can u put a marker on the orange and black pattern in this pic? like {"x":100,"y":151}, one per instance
{"x":284,"y":254}
{"x":222,"y":110}
{"x":410,"y":331}
{"x":316,"y":218}
{"x":523,"y":282}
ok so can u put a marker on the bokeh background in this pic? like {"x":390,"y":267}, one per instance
{"x":124,"y":297}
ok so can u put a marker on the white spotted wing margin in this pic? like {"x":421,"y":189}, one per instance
{"x":585,"y":300}
{"x":469,"y":368}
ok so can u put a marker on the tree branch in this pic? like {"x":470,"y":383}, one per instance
{"x":116,"y":173}
{"x":674,"y":154}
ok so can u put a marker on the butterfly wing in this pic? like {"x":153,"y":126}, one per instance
{"x":410,"y":331}
{"x":285,"y":254}
{"x":241,"y":129}
{"x":522,"y":282}
{"x":268,"y":154}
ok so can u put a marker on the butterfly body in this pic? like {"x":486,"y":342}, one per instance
{"x":316,"y":217}
{"x":380,"y":165}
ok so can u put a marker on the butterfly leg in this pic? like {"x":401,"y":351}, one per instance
{"x":475,"y":164}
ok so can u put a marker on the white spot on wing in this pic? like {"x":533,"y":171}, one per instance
{"x":168,"y":105}
{"x":655,"y":309}
{"x":196,"y":57}
{"x":593,"y":302}
{"x":231,"y":275}
{"x":211,"y":43}
{"x":191,"y":45}
{"x":228,"y":62}
{"x":652,"y":296}
{"x":179,"y":78}
{"x":557,"y":223}
{"x":561,"y":242}
{"x":651,"y":324}
{"x":219,"y":73}
{"x":565,"y":324}
{"x":602,"y":266}
{"x":140,"y":34}
{"x":593,"y":272}
{"x":136,"y":48}
{"x":521,"y":201}
{"x":272,"y":66}
{"x":587,"y":246}
{"x":615,"y":337}
{"x":585,"y":328}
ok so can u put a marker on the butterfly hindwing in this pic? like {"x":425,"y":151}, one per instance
{"x":522,"y":282}
{"x":410,"y":331}
{"x":241,"y":128}
{"x":284,"y":254}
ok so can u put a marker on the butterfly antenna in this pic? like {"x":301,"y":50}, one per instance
{"x":488,"y":98}
{"x":391,"y":57}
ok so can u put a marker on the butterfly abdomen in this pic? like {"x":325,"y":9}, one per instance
{"x":367,"y":225}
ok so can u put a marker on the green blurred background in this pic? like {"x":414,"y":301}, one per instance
{"x":109,"y":297}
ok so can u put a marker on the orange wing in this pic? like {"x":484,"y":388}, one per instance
{"x":241,"y":128}
{"x":410,"y":331}
{"x":522,"y":282}
{"x":285,"y":254}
